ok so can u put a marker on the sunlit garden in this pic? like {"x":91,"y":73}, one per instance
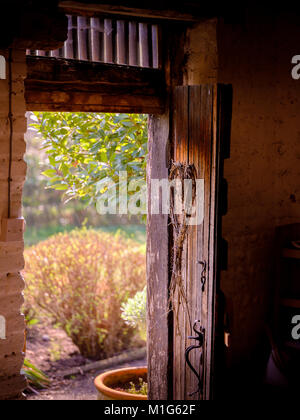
{"x":85,"y":271}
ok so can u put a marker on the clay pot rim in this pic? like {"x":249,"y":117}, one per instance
{"x":119,"y":395}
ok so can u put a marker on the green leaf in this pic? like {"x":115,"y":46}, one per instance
{"x":60,"y":187}
{"x":49,"y":173}
{"x":86,"y":148}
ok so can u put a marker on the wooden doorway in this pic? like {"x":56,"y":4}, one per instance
{"x":186,"y":125}
{"x":198,"y":135}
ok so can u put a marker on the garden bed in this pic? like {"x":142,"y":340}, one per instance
{"x":80,"y":387}
{"x":51,"y":350}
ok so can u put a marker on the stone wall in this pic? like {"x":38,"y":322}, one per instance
{"x":11,"y":253}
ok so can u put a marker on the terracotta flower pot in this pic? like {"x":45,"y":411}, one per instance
{"x":106,"y":383}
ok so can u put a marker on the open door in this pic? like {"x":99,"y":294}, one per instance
{"x":196,"y":139}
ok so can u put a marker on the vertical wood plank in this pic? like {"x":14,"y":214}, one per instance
{"x":208,"y":299}
{"x":221,"y":103}
{"x":54,"y":53}
{"x":195,"y":234}
{"x":155,"y":46}
{"x":75,"y":37}
{"x":196,"y":141}
{"x":101,"y":35}
{"x":181,"y":141}
{"x":108,"y":41}
{"x":68,"y":46}
{"x":82,"y":33}
{"x":158,"y":268}
{"x":126,"y":43}
{"x":95,"y":39}
{"x":144,"y":45}
{"x":121,"y":44}
{"x":133,"y":44}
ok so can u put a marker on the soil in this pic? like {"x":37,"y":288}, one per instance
{"x":52,"y":351}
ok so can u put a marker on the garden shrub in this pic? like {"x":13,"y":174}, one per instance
{"x":80,"y":279}
{"x":134,"y":312}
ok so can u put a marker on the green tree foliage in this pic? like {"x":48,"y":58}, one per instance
{"x":45,"y":211}
{"x":44,"y":207}
{"x":85,"y":149}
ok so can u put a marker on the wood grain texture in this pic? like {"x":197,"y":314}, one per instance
{"x":196,"y":141}
{"x":158,"y":268}
{"x":155,"y":34}
{"x":82,"y":34}
{"x":133,"y":44}
{"x":180,"y":140}
{"x":96,"y":45}
{"x":121,"y":43}
{"x":144,"y":45}
{"x":12,"y":382}
{"x":58,"y":84}
{"x":69,"y":44}
{"x":108,"y":41}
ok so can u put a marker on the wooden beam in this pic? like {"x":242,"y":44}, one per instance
{"x":68,"y":85}
{"x":158,"y":258}
{"x":89,"y":9}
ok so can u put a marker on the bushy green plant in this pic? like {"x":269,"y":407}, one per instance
{"x":80,"y":279}
{"x":134,"y":312}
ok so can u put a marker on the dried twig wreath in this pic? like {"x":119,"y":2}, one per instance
{"x":180,"y":224}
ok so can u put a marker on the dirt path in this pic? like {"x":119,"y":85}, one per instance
{"x":79,"y":388}
{"x":52,"y":351}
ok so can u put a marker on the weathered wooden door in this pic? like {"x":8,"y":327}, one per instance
{"x":195,"y":143}
{"x":195,"y":138}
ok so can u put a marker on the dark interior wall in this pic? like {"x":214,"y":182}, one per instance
{"x":263,"y":170}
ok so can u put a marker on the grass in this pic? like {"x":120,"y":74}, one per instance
{"x":35,"y":235}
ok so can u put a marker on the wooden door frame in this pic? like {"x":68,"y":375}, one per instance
{"x":52,"y":85}
{"x":159,"y":251}
{"x":55,"y":84}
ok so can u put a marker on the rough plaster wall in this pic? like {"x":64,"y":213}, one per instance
{"x":11,"y":254}
{"x":263,"y":170}
{"x":202,"y":53}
